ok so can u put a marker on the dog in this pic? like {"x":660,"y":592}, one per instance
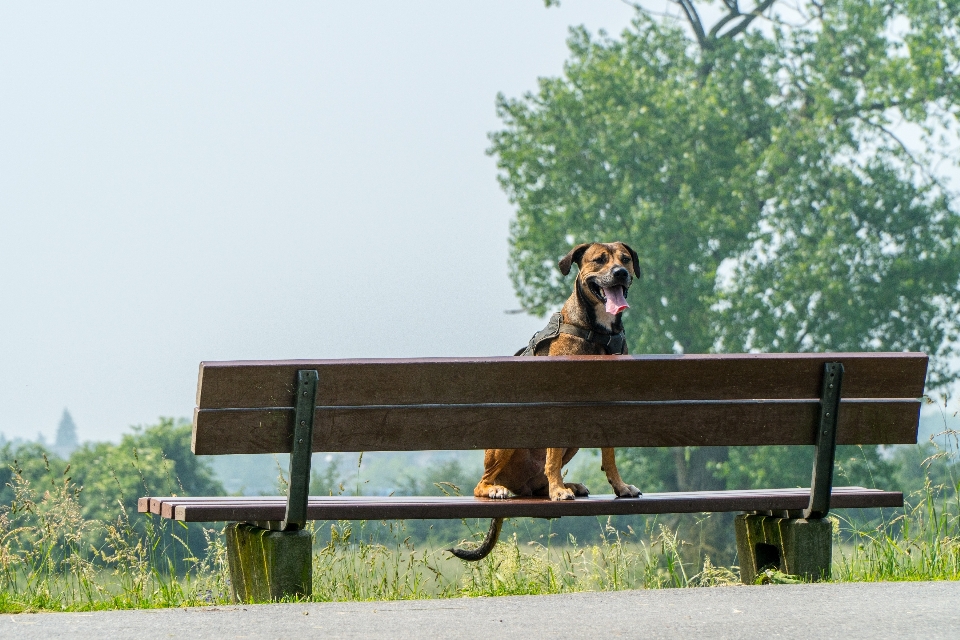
{"x":588,"y":324}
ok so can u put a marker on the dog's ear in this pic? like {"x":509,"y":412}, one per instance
{"x":575,"y":255}
{"x":634,"y":258}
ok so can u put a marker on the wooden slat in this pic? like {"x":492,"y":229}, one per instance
{"x":261,"y":384}
{"x":154,"y":505}
{"x":588,"y":425}
{"x":349,"y":508}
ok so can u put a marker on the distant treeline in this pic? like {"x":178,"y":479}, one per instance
{"x":156,"y":460}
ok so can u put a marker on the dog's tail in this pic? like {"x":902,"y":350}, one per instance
{"x":481,"y":552}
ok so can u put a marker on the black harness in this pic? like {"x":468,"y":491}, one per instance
{"x":614,"y":343}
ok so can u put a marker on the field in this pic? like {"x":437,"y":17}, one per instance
{"x":46,"y":562}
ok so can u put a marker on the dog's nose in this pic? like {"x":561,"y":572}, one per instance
{"x":620,"y":273}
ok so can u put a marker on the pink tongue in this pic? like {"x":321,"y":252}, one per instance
{"x":615,"y":300}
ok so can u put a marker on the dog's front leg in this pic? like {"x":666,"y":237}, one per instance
{"x":494,"y":461}
{"x":552,"y":469}
{"x":608,"y":464}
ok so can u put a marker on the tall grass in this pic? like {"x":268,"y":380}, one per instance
{"x":349,"y":568}
{"x":52,"y":558}
{"x":920,"y":543}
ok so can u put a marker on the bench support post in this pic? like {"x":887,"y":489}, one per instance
{"x":799,"y":546}
{"x":821,"y":484}
{"x":301,"y":451}
{"x":274,"y":560}
{"x":794,"y":546}
{"x":266,"y":565}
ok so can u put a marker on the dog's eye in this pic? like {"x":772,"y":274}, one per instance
{"x":625,"y":259}
{"x":600,"y":259}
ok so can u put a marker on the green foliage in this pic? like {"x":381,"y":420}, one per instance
{"x":625,"y":147}
{"x":327,"y":479}
{"x":653,"y":470}
{"x":447,"y":478}
{"x":34,"y":463}
{"x":766,"y":467}
{"x":757,"y":176}
{"x":110,"y":478}
{"x":154,"y":460}
{"x":53,"y":557}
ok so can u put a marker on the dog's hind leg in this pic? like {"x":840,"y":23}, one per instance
{"x":481,"y":552}
{"x":579,"y":490}
{"x":608,"y":464}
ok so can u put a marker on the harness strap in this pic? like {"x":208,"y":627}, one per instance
{"x":614,"y":343}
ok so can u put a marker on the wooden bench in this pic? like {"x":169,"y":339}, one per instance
{"x":303,"y":407}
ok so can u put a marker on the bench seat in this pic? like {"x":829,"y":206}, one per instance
{"x":266,"y":508}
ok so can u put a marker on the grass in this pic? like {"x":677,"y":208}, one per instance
{"x":54,"y":559}
{"x":348,"y":568}
{"x":921,"y":543}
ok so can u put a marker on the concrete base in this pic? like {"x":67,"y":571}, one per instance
{"x":269,"y":565}
{"x":793,"y":546}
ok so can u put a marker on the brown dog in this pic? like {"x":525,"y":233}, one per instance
{"x":588,"y":324}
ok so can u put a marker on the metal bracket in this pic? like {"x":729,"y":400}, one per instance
{"x":298,"y":487}
{"x":822,"y":482}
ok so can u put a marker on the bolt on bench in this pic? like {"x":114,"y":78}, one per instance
{"x":304,"y":406}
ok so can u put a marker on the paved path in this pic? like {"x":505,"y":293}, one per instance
{"x":900,"y":610}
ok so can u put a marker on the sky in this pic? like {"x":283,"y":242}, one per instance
{"x":232,"y":180}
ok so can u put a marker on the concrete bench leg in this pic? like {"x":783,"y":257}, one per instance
{"x":791,"y":545}
{"x":268,"y":565}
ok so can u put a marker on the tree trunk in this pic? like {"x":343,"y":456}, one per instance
{"x":691,"y":468}
{"x":712,"y":535}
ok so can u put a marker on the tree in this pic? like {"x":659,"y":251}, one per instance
{"x":155,"y":460}
{"x":66,"y":440}
{"x":757,"y":165}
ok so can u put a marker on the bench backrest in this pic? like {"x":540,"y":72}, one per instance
{"x":582,"y":401}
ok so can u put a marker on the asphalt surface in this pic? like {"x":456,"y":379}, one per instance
{"x":875,"y":610}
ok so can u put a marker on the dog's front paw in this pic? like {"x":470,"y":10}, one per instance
{"x":499,"y":492}
{"x":627,"y":491}
{"x":561,"y":493}
{"x":578,"y":489}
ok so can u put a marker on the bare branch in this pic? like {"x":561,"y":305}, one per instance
{"x":748,"y":18}
{"x":733,"y":15}
{"x":819,"y":6}
{"x":806,"y":20}
{"x":896,"y":139}
{"x":695,"y":23}
{"x":798,"y":341}
{"x":903,"y":147}
{"x":650,"y":12}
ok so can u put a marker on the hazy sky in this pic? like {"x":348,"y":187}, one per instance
{"x":206,"y":181}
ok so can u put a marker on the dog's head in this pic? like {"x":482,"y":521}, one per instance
{"x":606,"y":273}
